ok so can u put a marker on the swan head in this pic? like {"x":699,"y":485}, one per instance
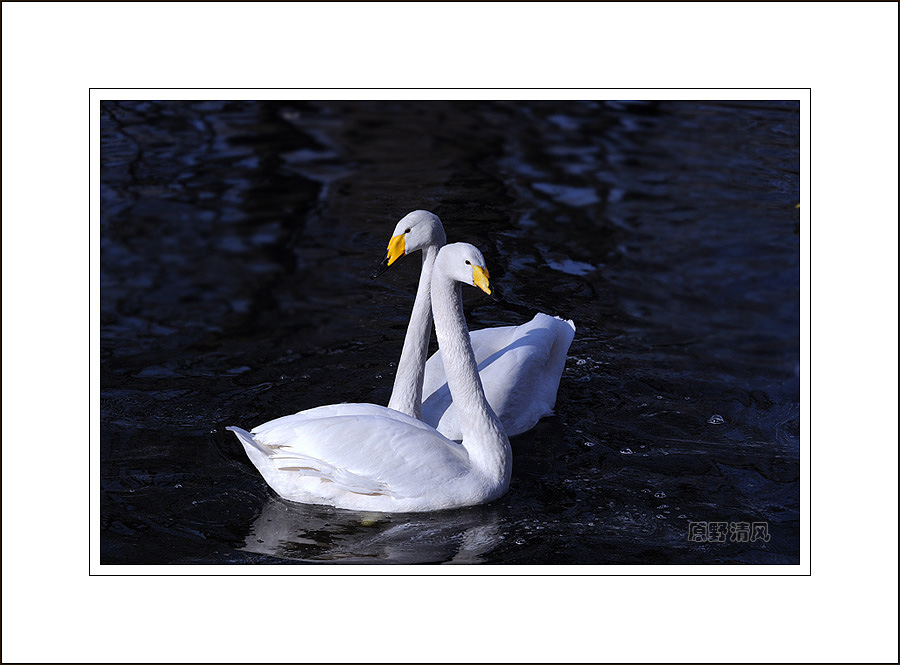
{"x":462,"y":262}
{"x":419,"y":229}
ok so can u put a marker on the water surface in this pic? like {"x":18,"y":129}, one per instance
{"x":237,"y":239}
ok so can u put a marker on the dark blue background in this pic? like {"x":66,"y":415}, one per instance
{"x":236,"y":243}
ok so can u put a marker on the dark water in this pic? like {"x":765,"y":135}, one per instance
{"x":236,"y":243}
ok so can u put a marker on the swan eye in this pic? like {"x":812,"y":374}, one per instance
{"x":467,"y":262}
{"x":406,"y":231}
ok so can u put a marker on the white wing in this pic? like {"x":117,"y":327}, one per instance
{"x":316,"y":456}
{"x":520,"y":368}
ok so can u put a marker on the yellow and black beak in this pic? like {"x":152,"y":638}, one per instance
{"x":481,"y":277}
{"x":396,"y":249}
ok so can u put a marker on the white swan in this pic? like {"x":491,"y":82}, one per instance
{"x":520,"y":366}
{"x":368,"y":457}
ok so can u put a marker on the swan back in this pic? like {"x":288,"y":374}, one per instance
{"x":520,"y":369}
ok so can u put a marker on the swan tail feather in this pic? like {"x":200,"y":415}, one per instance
{"x":556,"y":362}
{"x":248,"y":439}
{"x":305,"y":465}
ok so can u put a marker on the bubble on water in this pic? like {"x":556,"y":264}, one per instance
{"x":715,"y":419}
{"x":378,"y":376}
{"x":589,"y":443}
{"x":660,"y":517}
{"x":660,"y":495}
{"x":659,"y":397}
{"x":304,"y":376}
{"x":664,"y":452}
{"x":178,"y":486}
{"x":520,"y":541}
{"x":627,"y":451}
{"x":643,"y":446}
{"x":662,"y":506}
{"x":581,"y":361}
{"x":682,"y":517}
{"x":687,"y":398}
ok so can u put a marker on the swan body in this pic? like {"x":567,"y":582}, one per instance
{"x":520,"y":366}
{"x":373,"y":458}
{"x":520,"y":369}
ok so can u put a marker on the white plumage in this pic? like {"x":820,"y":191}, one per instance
{"x":369,"y":457}
{"x":520,"y":369}
{"x":520,"y":366}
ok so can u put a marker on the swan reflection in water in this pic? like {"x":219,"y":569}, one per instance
{"x":319,"y":534}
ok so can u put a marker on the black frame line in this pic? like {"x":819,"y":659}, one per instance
{"x":399,"y":574}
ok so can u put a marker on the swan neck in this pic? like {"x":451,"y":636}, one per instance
{"x":406,"y":396}
{"x":483,"y":435}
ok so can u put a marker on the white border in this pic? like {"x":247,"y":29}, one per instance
{"x":557,"y":570}
{"x":846,"y":611}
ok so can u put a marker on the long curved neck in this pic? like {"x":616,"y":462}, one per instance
{"x":406,"y":396}
{"x":483,"y":435}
